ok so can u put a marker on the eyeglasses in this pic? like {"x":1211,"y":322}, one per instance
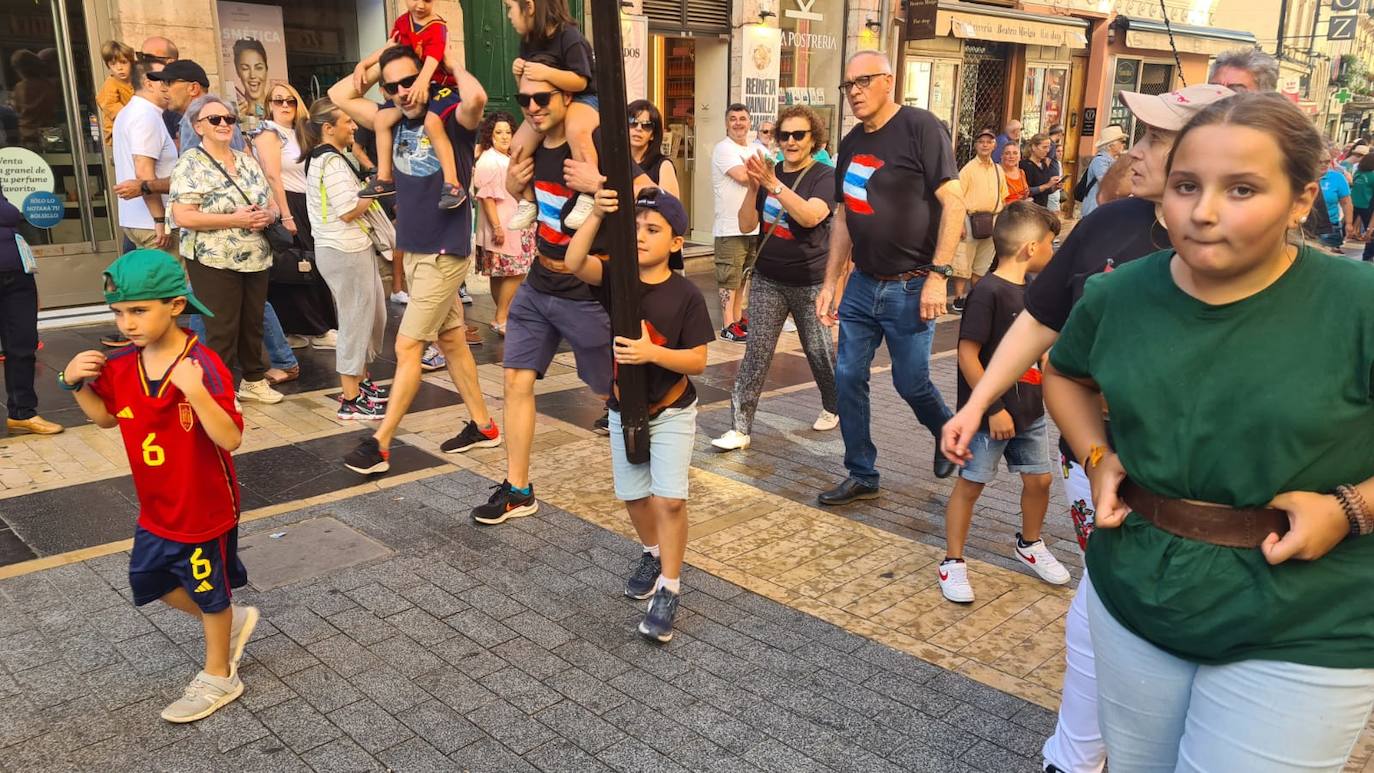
{"x":647,"y":126}
{"x":220,"y":120}
{"x":863,"y":82}
{"x":540,"y":98}
{"x":283,"y":101}
{"x":795,"y":136}
{"x":404,"y":83}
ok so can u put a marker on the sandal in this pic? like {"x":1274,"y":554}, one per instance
{"x":278,"y":376}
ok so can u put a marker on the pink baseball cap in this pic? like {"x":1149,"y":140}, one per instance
{"x":1172,"y":111}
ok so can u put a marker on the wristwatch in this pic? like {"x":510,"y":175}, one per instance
{"x":777,"y":189}
{"x":945,"y":271}
{"x":160,"y":220}
{"x":144,"y":189}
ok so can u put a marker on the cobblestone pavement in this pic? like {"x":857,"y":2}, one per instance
{"x":504,"y":649}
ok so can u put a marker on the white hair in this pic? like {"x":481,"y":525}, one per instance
{"x":879,"y":55}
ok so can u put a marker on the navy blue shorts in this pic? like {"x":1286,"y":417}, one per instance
{"x":207,"y":570}
{"x":590,"y":100}
{"x":442,"y":100}
{"x":537,"y":323}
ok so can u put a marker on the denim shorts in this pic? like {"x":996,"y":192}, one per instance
{"x":672,"y":434}
{"x":1028,"y":453}
{"x":590,"y":100}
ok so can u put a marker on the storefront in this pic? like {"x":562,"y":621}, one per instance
{"x":811,"y":59}
{"x":979,"y":66}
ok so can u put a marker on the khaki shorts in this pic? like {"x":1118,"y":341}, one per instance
{"x":734,"y":256}
{"x":974,"y":258}
{"x":146,"y":239}
{"x":433,"y":281}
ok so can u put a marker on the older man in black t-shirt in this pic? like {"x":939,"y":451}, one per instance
{"x":438,"y":252}
{"x":902,"y":218}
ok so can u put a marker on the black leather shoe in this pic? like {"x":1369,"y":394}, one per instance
{"x":848,"y":491}
{"x":943,"y":467}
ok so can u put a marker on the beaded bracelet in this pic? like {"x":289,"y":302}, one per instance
{"x":1356,"y":510}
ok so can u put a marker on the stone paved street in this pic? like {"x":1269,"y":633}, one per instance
{"x":397,"y":635}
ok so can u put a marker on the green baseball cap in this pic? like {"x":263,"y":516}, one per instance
{"x":149,"y":275}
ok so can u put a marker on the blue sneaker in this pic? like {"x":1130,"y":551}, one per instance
{"x":642,"y":579}
{"x":433,"y":360}
{"x":658,"y":621}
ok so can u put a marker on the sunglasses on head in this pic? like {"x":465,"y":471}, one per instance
{"x":795,"y":136}
{"x":404,"y":83}
{"x":283,"y":101}
{"x":220,"y":120}
{"x":540,"y":98}
{"x":643,"y":125}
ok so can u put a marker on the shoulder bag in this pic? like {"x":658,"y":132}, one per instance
{"x":980,"y":224}
{"x":374,"y":222}
{"x":279,"y":237}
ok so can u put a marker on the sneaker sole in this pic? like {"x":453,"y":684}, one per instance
{"x":225,"y":700}
{"x":493,"y":443}
{"x":602,"y":431}
{"x":243,"y":398}
{"x":245,"y":633}
{"x":663,"y":638}
{"x":517,"y":512}
{"x":647,"y":594}
{"x":956,"y":601}
{"x":720,"y":447}
{"x":381,"y":466}
{"x":371,"y":195}
{"x":359,"y":417}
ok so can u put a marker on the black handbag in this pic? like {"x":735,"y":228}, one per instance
{"x":292,"y":266}
{"x":279,"y":237}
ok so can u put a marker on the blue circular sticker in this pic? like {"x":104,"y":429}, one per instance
{"x":43,"y":209}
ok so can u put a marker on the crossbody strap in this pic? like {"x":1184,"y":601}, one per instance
{"x":778,"y":221}
{"x":225,"y":172}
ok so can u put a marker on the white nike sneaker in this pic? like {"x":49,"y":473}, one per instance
{"x":826,"y":421}
{"x":731,"y":441}
{"x":580,"y":212}
{"x":525,"y":214}
{"x":954,"y":582}
{"x":1039,"y":558}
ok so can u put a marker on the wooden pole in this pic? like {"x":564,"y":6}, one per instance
{"x":622,"y":270}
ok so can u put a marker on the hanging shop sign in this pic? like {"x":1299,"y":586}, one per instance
{"x":1008,"y":30}
{"x":762,"y":52}
{"x":921,"y":19}
{"x":634,"y":42}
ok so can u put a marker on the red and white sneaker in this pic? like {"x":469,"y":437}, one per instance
{"x":954,"y":581}
{"x":1039,"y":558}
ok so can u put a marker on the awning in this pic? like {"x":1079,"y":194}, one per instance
{"x":1154,"y":35}
{"x":975,"y":22}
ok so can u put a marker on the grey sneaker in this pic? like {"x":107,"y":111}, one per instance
{"x":245,"y":620}
{"x":642,"y":579}
{"x":204,"y":696}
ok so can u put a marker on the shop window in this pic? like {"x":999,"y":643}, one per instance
{"x":810,"y":57}
{"x":52,"y":153}
{"x":1043,"y":105}
{"x":929,"y":85}
{"x":982,"y":94}
{"x":1137,"y":75}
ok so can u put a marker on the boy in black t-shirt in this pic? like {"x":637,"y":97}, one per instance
{"x":1014,"y":427}
{"x":676,"y":329}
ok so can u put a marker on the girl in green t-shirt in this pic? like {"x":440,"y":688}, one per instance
{"x":1362,"y":198}
{"x":1226,"y":388}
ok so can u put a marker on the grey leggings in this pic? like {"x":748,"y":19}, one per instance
{"x":769,"y":304}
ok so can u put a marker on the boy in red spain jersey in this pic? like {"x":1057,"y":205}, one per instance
{"x":173,"y":401}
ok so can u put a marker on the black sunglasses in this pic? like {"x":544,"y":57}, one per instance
{"x":145,"y":57}
{"x":647,"y":126}
{"x":404,"y":83}
{"x":767,"y":132}
{"x":284,"y":101}
{"x":541,"y":98}
{"x":796,"y":136}
{"x":221,"y":120}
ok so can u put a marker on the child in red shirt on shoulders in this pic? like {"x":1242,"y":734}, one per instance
{"x":426,"y":33}
{"x":174,"y":403}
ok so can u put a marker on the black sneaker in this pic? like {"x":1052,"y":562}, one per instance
{"x":361,"y":409}
{"x":472,"y":437}
{"x":452,"y":197}
{"x":956,"y":306}
{"x":505,"y":504}
{"x":376,"y":189}
{"x":734,"y":333}
{"x":602,"y":426}
{"x":374,"y":392}
{"x":658,"y":621}
{"x":368,"y":457}
{"x":642,"y":579}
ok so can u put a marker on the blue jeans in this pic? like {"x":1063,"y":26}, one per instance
{"x":871,"y":311}
{"x":274,"y":341}
{"x":1163,"y":714}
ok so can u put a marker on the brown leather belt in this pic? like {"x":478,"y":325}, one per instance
{"x":675,"y":393}
{"x":902,"y":277}
{"x":1230,"y":527}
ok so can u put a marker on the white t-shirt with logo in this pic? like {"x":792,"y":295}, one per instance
{"x":140,"y":131}
{"x":729,"y":194}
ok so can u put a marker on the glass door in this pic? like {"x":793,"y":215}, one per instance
{"x":52,"y":154}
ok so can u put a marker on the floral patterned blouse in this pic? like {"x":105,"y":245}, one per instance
{"x":197,"y":181}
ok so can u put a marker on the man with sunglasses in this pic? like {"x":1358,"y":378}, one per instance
{"x":552,"y":305}
{"x":437,"y":244}
{"x":144,"y":155}
{"x":902,"y":218}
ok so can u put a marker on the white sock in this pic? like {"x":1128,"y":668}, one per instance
{"x":674,"y":585}
{"x":651,"y":550}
